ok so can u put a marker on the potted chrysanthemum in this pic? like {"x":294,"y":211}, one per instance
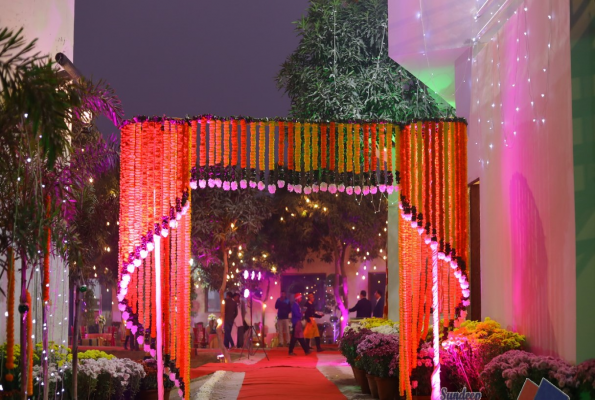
{"x":148,"y":384}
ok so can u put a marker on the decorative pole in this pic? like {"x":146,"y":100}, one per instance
{"x":436,"y":327}
{"x":158,"y":306}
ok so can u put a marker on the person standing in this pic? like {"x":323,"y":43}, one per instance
{"x":298,"y":329}
{"x":283,"y":309}
{"x":311,"y":329}
{"x":363,"y":308}
{"x":238,"y":323}
{"x":379,"y":307}
{"x":231,"y":312}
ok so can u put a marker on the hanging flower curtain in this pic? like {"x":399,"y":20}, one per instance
{"x":356,"y":157}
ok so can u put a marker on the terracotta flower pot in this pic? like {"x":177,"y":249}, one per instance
{"x":388,"y":388}
{"x":362,"y":381}
{"x":372,"y":385}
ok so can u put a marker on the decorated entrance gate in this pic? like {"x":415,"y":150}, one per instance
{"x":425,"y":160}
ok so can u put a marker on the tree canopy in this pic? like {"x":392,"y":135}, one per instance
{"x":341,"y":68}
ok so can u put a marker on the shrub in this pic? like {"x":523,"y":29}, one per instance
{"x":422,"y":374}
{"x":505,"y":375}
{"x":378,"y":354}
{"x":149,"y":382}
{"x":585,"y":378}
{"x":470,"y":347}
{"x":352,"y":336}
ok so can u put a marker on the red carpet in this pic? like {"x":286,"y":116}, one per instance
{"x":288,"y":377}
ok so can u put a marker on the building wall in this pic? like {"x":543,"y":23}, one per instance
{"x":582,"y":38}
{"x":522,"y":153}
{"x":52,"y":23}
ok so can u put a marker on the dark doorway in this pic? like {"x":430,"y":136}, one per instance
{"x":305,"y":283}
{"x":475,"y":252}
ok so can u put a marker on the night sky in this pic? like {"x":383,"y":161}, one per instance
{"x":188,"y":57}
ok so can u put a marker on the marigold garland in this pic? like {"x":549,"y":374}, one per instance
{"x":381,"y":148}
{"x":298,"y":147}
{"x":271,"y":146}
{"x":226,"y":143}
{"x":366,"y":147}
{"x":281,"y":143}
{"x":373,"y":159}
{"x":349,"y":147}
{"x":290,"y":146}
{"x":243,"y":144}
{"x":10,"y":293}
{"x":307,"y":147}
{"x":29,"y":346}
{"x":315,"y":151}
{"x":253,"y":136}
{"x":333,"y":146}
{"x":234,"y":143}
{"x":323,"y":146}
{"x":341,"y":143}
{"x":358,"y":150}
{"x":261,"y":145}
{"x":46,"y":256}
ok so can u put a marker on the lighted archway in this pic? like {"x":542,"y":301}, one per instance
{"x":425,"y":160}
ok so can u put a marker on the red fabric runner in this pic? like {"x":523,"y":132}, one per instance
{"x":284,"y":376}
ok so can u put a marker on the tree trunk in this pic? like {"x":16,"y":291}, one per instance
{"x":24,"y":367}
{"x":263,"y":333}
{"x":75,"y":338}
{"x":221,"y":297}
{"x":341,"y":296}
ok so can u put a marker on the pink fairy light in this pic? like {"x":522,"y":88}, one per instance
{"x":435,"y":330}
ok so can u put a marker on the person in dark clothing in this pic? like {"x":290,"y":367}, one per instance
{"x":283,"y":309}
{"x":311,"y":329}
{"x":379,"y":307}
{"x":231,"y":312}
{"x":298,"y":329}
{"x":363,"y":308}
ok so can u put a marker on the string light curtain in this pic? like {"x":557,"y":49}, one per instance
{"x":158,"y":158}
{"x":356,"y":157}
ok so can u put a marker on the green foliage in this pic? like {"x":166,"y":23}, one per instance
{"x":341,"y":68}
{"x":222,"y":220}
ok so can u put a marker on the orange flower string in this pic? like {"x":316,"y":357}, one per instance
{"x":226,"y":143}
{"x":373,"y":160}
{"x":381,"y":147}
{"x":341,"y":142}
{"x":323,"y":146}
{"x":243,"y":144}
{"x":366,"y":147}
{"x":290,"y":147}
{"x":307,"y":147}
{"x":298,"y":146}
{"x":358,"y":150}
{"x":10,"y":310}
{"x":234,"y":143}
{"x":212,"y":142}
{"x":349,"y":147}
{"x":253,"y":136}
{"x":261,"y":145}
{"x":271,"y":146}
{"x":281,"y":143}
{"x":203,"y":142}
{"x":46,"y":256}
{"x":314,"y":128}
{"x":333,"y":146}
{"x":218,"y":143}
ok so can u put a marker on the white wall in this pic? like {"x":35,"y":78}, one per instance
{"x":523,"y":159}
{"x":52,"y":23}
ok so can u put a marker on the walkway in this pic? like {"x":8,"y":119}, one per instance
{"x":324,"y":375}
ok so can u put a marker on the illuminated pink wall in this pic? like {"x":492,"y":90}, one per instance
{"x":520,"y":147}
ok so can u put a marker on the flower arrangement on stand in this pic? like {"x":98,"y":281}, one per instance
{"x":100,"y":320}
